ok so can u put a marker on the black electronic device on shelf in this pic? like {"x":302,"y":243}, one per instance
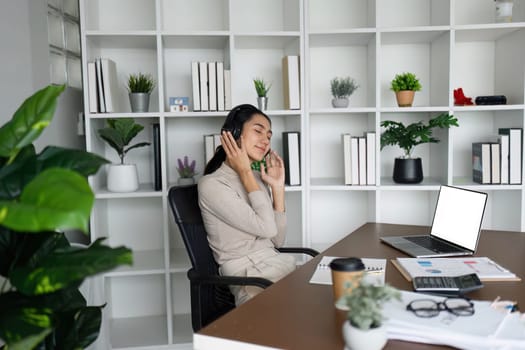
{"x":491,"y":100}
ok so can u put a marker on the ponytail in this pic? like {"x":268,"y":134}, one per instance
{"x":216,"y":161}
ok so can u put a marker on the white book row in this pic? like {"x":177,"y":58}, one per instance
{"x":211,"y":86}
{"x":359,"y":154}
{"x":103,"y":86}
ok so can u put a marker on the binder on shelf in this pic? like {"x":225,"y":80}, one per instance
{"x":220,"y":86}
{"x":504,"y":148}
{"x":216,"y":141}
{"x":515,"y":153}
{"x":100,"y":87}
{"x":347,"y":158}
{"x":209,"y":149}
{"x":227,"y":90}
{"x":291,"y":85}
{"x":195,"y":84}
{"x":203,"y":86}
{"x":370,"y":158}
{"x":354,"y":149}
{"x":495,"y":171}
{"x":481,"y":163}
{"x":92,"y":87}
{"x":212,"y":86}
{"x":157,"y":172}
{"x":362,"y":160}
{"x":291,"y":157}
{"x":110,"y":85}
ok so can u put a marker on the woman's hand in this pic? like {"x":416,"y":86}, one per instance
{"x":236,"y":155}
{"x":273,"y":173}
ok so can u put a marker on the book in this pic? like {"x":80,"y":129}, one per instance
{"x":92,"y":87}
{"x":504,"y":148}
{"x":110,"y":85}
{"x":354,"y":149}
{"x":362,"y":160}
{"x":227,"y":90}
{"x":212,"y":85}
{"x":347,"y":158}
{"x":157,"y":172}
{"x":203,"y":86}
{"x":195,"y":85}
{"x":481,"y":163}
{"x":220,"y":86}
{"x":291,"y":157}
{"x":515,"y":153}
{"x":495,"y":170}
{"x":100,"y":87}
{"x":485,"y":268}
{"x":370,"y":158}
{"x":291,"y":84}
{"x":209,"y":149}
{"x":323,"y":274}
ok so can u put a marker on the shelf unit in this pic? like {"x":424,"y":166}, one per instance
{"x":447,"y":43}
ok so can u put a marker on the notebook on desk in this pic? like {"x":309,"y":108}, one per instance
{"x":455,"y":228}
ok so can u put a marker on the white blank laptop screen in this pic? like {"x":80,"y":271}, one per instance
{"x":458,"y":216}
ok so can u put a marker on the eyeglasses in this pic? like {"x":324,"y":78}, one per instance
{"x":431,"y":308}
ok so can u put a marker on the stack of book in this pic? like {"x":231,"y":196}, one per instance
{"x":499,"y":162}
{"x":211,"y":142}
{"x":359,"y":161}
{"x":211,"y":86}
{"x":103,"y":86}
{"x":292,"y":157}
{"x":291,"y":84}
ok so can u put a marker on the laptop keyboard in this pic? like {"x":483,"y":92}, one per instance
{"x":432,"y":244}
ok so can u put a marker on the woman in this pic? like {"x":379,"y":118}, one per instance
{"x":243,"y":210}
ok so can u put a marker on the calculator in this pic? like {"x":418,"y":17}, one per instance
{"x":447,"y":285}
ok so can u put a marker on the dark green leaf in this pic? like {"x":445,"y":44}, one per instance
{"x":60,"y":269}
{"x":57,"y":199}
{"x":141,"y":144}
{"x":29,"y":120}
{"x":83,"y":162}
{"x":14,"y":176}
{"x":113,"y":138}
{"x":78,"y":329}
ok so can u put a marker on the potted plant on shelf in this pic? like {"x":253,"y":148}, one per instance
{"x":364,"y":328}
{"x":407,"y":169}
{"x":118,"y":134}
{"x":140,"y":87}
{"x":405,"y":86}
{"x":341,"y":89}
{"x":262,"y":88}
{"x":186,"y":171}
{"x":42,"y":195}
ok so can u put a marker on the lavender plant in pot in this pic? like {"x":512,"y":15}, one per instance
{"x":186,"y":170}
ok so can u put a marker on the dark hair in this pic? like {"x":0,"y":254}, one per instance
{"x":234,"y":123}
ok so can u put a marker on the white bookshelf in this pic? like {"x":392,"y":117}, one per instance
{"x":447,"y":43}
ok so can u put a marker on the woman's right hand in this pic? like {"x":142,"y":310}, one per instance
{"x":236,"y":157}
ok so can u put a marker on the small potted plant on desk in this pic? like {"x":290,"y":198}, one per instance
{"x":341,"y":89}
{"x":140,"y":87}
{"x":186,"y":171}
{"x":405,"y":86}
{"x":364,"y":328}
{"x":408,"y":170}
{"x":262,"y":88}
{"x":118,"y":134}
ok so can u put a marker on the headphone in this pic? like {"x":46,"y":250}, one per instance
{"x":232,"y":124}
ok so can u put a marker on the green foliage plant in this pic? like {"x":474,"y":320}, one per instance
{"x":119,"y":133}
{"x":41,"y":195}
{"x":407,"y":137}
{"x":261,"y":87}
{"x":405,"y":81}
{"x":365,"y":304}
{"x":343,"y":87}
{"x":141,"y":83}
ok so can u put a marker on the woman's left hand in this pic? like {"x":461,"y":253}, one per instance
{"x":273,"y":173}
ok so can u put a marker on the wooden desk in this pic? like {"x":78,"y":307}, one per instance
{"x":293,"y":314}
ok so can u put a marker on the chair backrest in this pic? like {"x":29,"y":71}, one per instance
{"x":208,"y":301}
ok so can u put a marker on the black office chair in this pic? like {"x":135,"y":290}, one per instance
{"x":210,"y":295}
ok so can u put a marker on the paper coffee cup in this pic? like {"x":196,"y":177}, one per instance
{"x":346,"y":275}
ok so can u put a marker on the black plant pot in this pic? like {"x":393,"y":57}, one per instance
{"x":408,"y":171}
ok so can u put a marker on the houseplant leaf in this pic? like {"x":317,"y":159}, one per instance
{"x":61,"y":268}
{"x":84,"y":163}
{"x":29,"y":121}
{"x":15,"y":176}
{"x":79,"y":328}
{"x":57,"y":199}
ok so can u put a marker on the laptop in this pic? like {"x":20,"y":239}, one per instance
{"x":455,"y":228}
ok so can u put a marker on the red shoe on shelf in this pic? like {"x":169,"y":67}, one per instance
{"x":460,"y":99}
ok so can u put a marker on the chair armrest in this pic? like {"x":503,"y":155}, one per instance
{"x":194,"y":276}
{"x":308,"y":251}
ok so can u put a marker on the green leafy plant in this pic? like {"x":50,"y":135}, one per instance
{"x":343,"y":87}
{"x":119,"y":133}
{"x":141,"y":83}
{"x":261,"y":87}
{"x":407,"y":137}
{"x":365,"y":304}
{"x":185,"y":168}
{"x":41,"y":195}
{"x":405,"y":81}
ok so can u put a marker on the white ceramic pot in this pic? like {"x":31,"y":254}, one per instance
{"x":340,"y":102}
{"x":122,"y":178}
{"x":358,"y":339}
{"x":184,"y":181}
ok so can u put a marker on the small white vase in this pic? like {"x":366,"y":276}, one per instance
{"x":340,"y":102}
{"x":369,"y":339}
{"x":184,"y":181}
{"x":122,"y":178}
